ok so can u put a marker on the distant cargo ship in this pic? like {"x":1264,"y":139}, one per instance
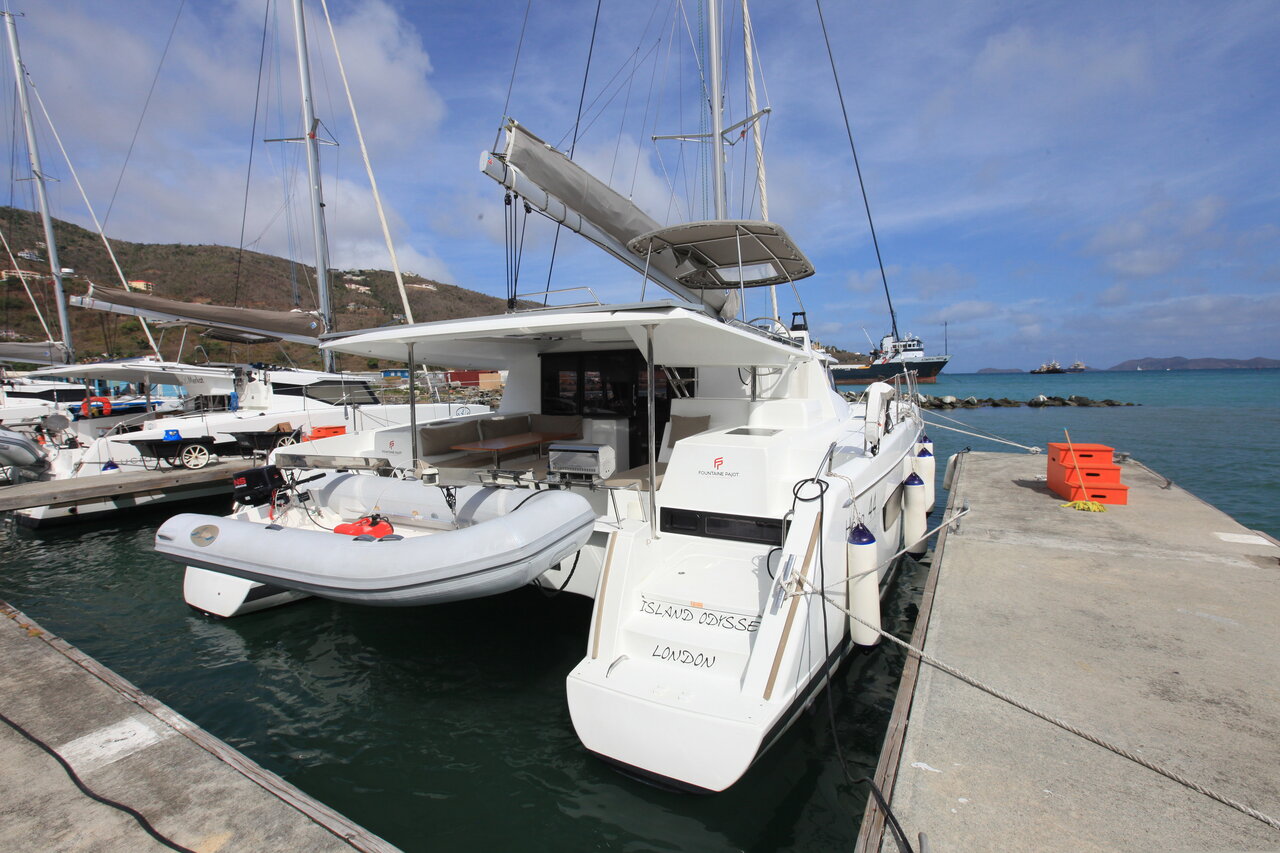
{"x":895,"y":356}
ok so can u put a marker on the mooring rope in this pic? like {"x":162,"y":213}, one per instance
{"x":1048,"y":718}
{"x":986,"y":436}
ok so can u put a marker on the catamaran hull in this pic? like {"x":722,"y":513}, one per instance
{"x":520,"y":536}
{"x":715,"y":751}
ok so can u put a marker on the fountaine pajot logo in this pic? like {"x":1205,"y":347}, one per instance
{"x":717,"y":469}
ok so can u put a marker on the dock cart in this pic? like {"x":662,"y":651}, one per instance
{"x":178,"y":452}
{"x":261,"y":443}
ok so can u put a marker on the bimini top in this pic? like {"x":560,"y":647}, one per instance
{"x":681,"y":336}
{"x":724,"y":253}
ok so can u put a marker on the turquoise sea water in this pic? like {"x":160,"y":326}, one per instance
{"x":1213,"y":432}
{"x":446,"y":728}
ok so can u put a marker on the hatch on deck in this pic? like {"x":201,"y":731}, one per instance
{"x":731,"y":253}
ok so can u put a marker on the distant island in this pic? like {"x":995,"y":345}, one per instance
{"x":1180,"y":363}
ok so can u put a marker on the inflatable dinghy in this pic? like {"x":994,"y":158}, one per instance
{"x":495,"y":541}
{"x":20,"y":451}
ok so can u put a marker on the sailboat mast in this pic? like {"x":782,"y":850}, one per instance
{"x":757,"y":137}
{"x":717,"y":107}
{"x":37,"y":174}
{"x":309,"y":125}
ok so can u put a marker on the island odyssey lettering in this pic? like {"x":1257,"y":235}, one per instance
{"x":702,"y":616}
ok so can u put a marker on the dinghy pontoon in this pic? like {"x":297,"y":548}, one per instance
{"x":430,"y":545}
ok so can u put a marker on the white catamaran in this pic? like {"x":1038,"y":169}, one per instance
{"x":732,"y":515}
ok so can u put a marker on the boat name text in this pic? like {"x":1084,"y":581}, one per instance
{"x":684,"y":656}
{"x":702,"y":616}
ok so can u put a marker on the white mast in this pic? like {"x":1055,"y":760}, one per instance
{"x":37,"y":174}
{"x":717,"y":107}
{"x":309,"y":125}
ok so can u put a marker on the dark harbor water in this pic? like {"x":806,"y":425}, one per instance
{"x":446,"y":727}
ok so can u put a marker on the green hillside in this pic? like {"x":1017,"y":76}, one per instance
{"x":214,"y":274}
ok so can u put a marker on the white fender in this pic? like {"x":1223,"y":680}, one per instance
{"x":949,"y":475}
{"x":864,"y":590}
{"x":925,"y":465}
{"x":878,"y":396}
{"x":914,"y":525}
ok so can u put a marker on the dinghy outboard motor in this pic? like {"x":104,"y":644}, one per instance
{"x":255,"y":486}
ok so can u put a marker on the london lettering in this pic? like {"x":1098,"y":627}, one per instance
{"x":684,"y":656}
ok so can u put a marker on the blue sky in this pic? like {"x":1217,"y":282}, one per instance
{"x":1055,"y":180}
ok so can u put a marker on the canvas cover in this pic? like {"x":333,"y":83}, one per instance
{"x":34,"y":352}
{"x":616,"y":217}
{"x":244,"y":324}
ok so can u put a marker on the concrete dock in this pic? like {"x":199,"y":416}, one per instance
{"x":1154,"y":626}
{"x":125,"y":746}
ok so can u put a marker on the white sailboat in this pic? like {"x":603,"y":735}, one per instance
{"x":226,"y":402}
{"x":744,"y":515}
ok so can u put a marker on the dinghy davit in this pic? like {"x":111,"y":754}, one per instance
{"x":490,"y":540}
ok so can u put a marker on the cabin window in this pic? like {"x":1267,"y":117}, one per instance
{"x":607,"y":384}
{"x":333,"y":392}
{"x":714,"y":525}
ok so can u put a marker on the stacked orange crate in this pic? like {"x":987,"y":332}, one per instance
{"x":1086,"y":472}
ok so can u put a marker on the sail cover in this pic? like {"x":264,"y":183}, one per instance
{"x":250,"y":325}
{"x":34,"y":352}
{"x":580,"y":190}
{"x":613,"y":218}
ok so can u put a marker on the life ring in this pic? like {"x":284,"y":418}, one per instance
{"x":87,"y":410}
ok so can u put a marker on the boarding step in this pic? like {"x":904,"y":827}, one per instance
{"x":1088,"y":475}
{"x":1115,"y":493}
{"x":673,"y":631}
{"x":1065,"y":453}
{"x":694,"y":681}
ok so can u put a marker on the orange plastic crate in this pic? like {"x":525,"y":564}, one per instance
{"x":328,"y":431}
{"x":1089,"y":475}
{"x":1085,"y":454}
{"x":1115,"y":493}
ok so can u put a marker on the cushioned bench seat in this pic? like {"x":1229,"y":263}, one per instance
{"x":437,"y":440}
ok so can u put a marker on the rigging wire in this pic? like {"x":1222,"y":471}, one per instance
{"x":586,"y":74}
{"x":373,"y":183}
{"x":106,"y":217}
{"x":862,"y":185}
{"x":511,"y":84}
{"x":146,"y":328}
{"x":39,"y":314}
{"x":253,"y":135}
{"x":596,"y":113}
{"x":644,"y":118}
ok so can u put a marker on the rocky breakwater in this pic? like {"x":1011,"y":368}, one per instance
{"x":928,"y":401}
